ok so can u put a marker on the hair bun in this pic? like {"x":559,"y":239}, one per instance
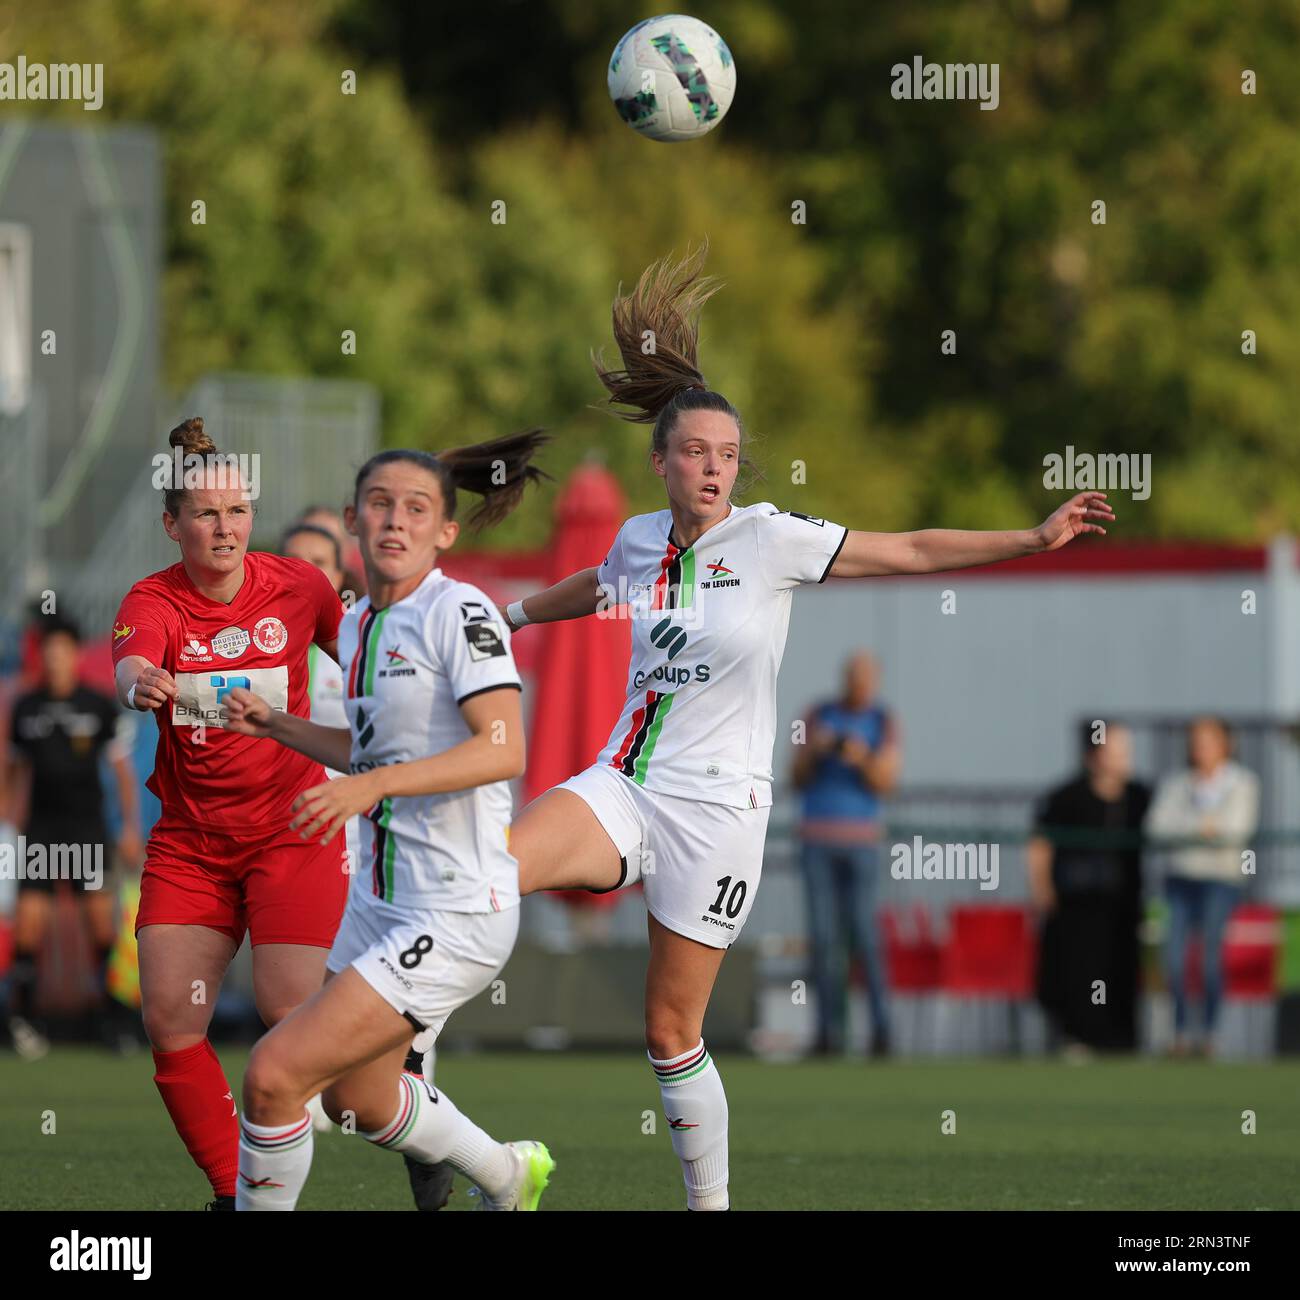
{"x":190,"y":435}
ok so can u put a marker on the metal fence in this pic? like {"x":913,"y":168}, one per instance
{"x":310,"y":437}
{"x":1001,"y":815}
{"x":20,"y":576}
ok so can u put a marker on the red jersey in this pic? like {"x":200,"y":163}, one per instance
{"x":203,"y":775}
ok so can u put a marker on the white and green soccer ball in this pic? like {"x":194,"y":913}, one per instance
{"x":672,"y":78}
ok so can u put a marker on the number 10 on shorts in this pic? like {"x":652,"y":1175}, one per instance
{"x":734,"y":902}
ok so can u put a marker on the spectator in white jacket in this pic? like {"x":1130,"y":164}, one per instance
{"x":1209,"y":812}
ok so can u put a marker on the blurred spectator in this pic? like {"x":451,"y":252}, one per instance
{"x":58,"y":732}
{"x":1085,"y":877}
{"x":317,"y":545}
{"x":331,"y":521}
{"x":1212,"y":808}
{"x":325,"y":517}
{"x":850,"y":759}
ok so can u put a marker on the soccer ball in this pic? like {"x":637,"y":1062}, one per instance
{"x":672,"y":78}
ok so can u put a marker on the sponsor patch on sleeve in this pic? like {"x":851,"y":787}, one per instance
{"x":484,"y":641}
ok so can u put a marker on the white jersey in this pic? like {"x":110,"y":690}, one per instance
{"x":708,"y":631}
{"x":409,"y":669}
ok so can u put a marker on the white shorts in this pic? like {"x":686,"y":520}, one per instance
{"x":424,"y":964}
{"x":699,"y":862}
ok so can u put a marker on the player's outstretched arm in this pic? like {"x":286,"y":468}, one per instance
{"x":493,"y":751}
{"x":250,"y":715}
{"x":573,"y":597}
{"x":932,"y":550}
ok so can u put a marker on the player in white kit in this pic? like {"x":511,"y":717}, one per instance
{"x":318,"y":545}
{"x":679,"y":798}
{"x":434,"y":735}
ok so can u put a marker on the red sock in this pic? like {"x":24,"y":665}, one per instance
{"x":199,"y":1100}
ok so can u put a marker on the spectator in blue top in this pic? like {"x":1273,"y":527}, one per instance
{"x":849,"y":760}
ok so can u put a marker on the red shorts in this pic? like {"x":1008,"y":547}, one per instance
{"x":279,"y":888}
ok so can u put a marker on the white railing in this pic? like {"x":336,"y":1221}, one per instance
{"x":20,"y":442}
{"x":311,"y":437}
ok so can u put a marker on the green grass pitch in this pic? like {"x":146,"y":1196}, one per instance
{"x":825,"y":1135}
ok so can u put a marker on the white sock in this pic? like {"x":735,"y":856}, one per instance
{"x":695,"y":1106}
{"x":429,"y":1127}
{"x":274,"y":1161}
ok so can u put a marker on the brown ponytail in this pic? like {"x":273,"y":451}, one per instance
{"x":497,"y":470}
{"x":661,"y":385}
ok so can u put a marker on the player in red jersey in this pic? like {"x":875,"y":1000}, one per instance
{"x":221,"y":859}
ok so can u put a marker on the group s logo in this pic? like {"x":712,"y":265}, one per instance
{"x":672,"y":676}
{"x":667,"y":636}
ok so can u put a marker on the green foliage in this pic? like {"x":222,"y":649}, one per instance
{"x":374,"y":212}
